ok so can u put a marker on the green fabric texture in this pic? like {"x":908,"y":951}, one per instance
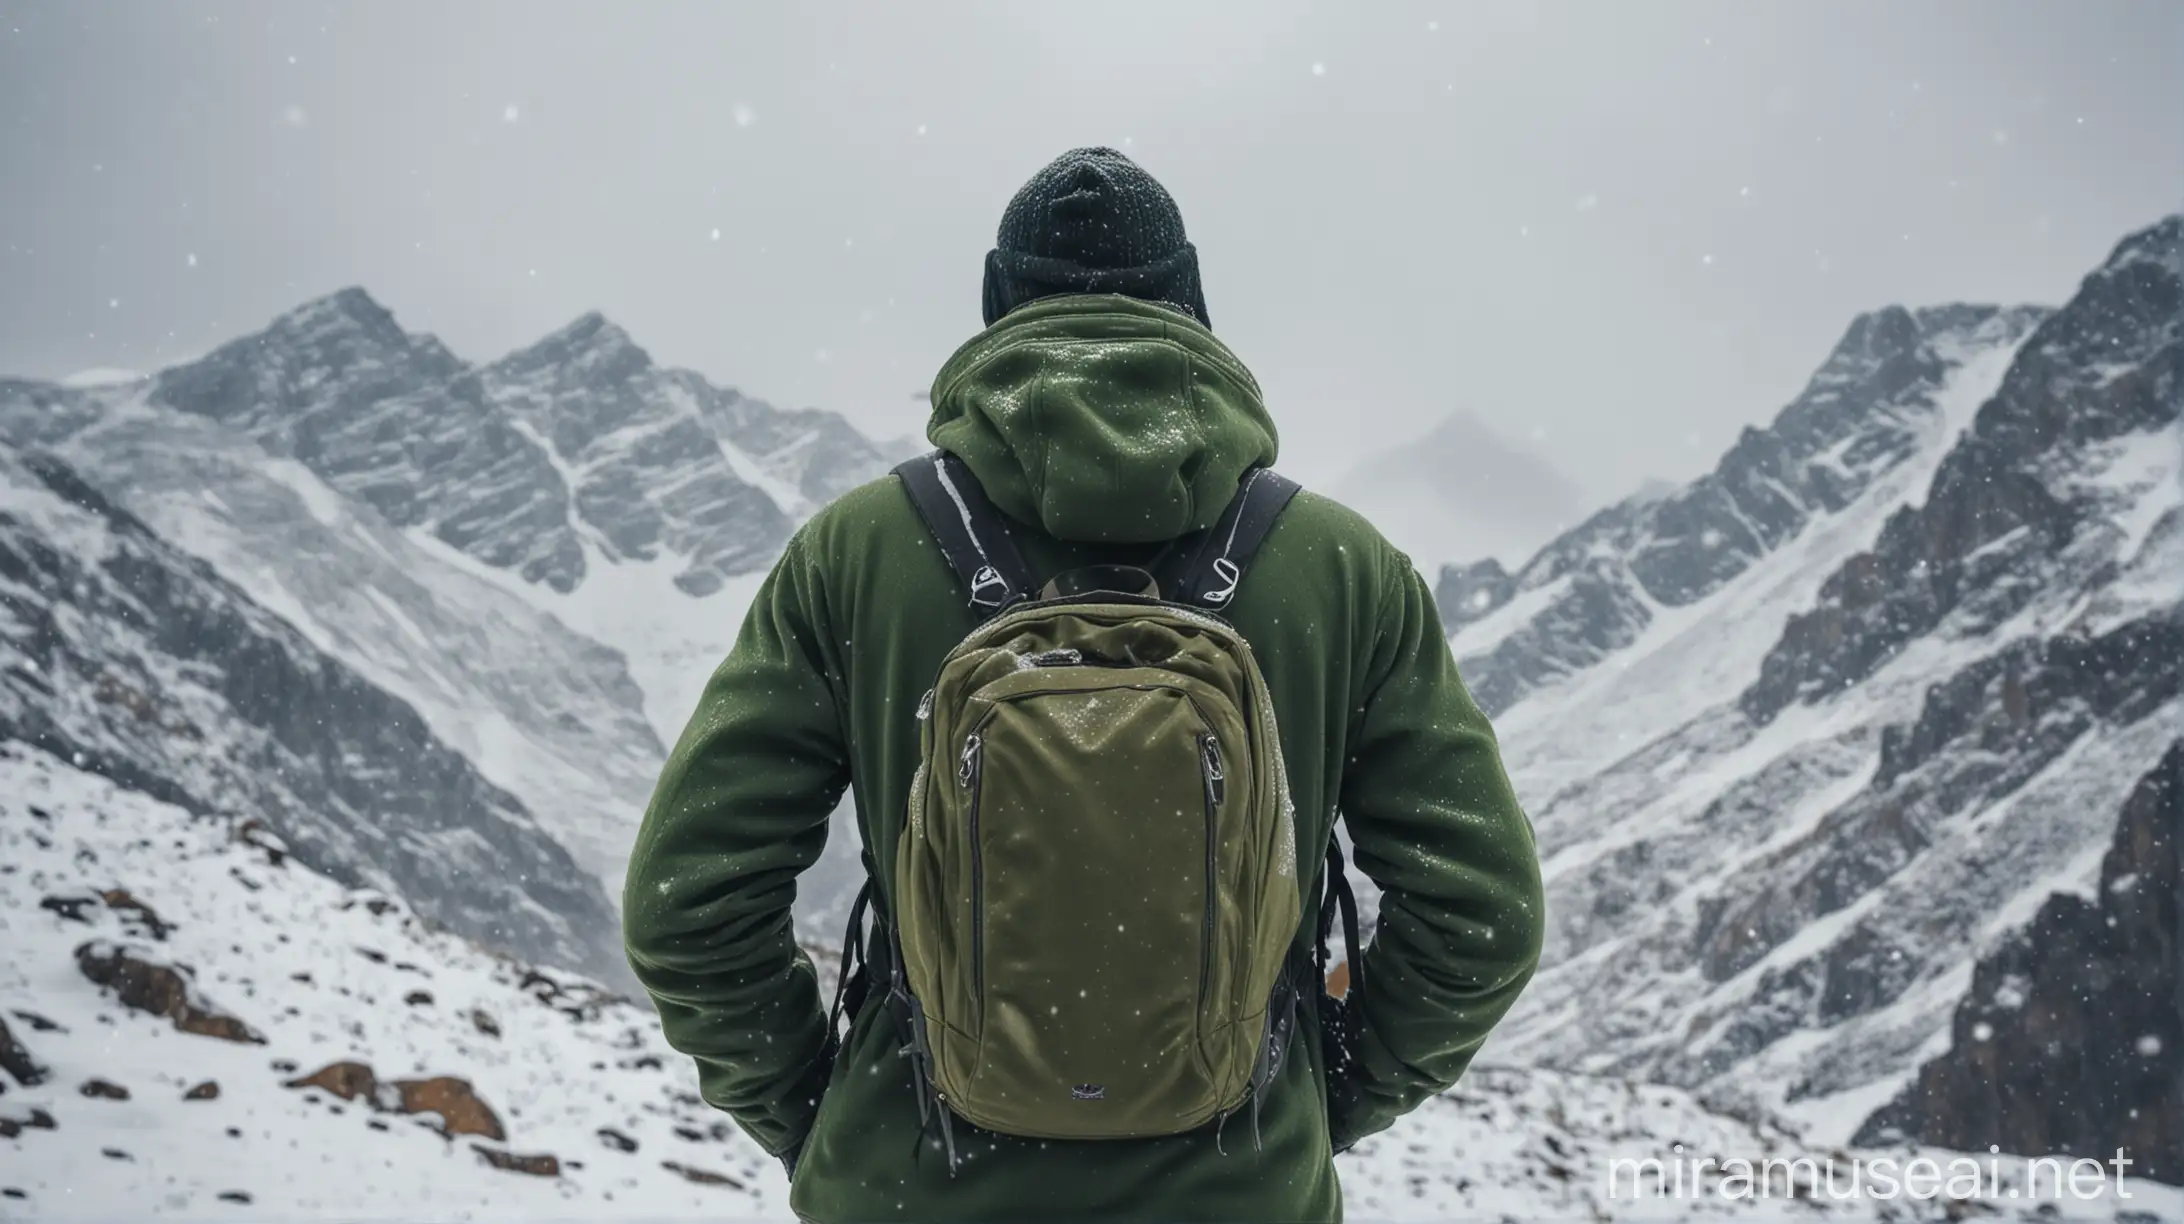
{"x":1098,"y":887}
{"x":1102,"y":418}
{"x":820,"y":691}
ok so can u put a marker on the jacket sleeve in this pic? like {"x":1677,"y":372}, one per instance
{"x":741,"y":808}
{"x":1434,"y":822}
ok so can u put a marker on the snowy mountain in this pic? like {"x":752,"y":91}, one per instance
{"x":579,"y":440}
{"x":1890,"y":394}
{"x":191,"y":1025}
{"x":1461,"y":492}
{"x":457,"y":534}
{"x":544,"y":713}
{"x":1805,"y":738}
{"x":138,"y":662}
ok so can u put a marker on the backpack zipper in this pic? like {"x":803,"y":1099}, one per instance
{"x":968,"y":775}
{"x":1209,"y":762}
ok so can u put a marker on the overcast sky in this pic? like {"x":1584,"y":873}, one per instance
{"x":1616,"y":231}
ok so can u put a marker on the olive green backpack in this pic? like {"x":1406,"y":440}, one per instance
{"x":1096,"y":883}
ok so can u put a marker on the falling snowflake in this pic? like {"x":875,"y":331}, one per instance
{"x":744,"y":115}
{"x":510,"y":113}
{"x":1319,"y":70}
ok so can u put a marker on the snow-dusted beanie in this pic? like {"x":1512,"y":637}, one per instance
{"x":1092,"y":221}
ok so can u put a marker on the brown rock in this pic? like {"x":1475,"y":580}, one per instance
{"x":418,"y":998}
{"x":460,"y":1110}
{"x":15,"y":1059}
{"x":136,"y":911}
{"x":254,"y":834}
{"x":207,"y":1091}
{"x":105,"y":1089}
{"x":484,"y":1022}
{"x":39,"y":1119}
{"x":1338,"y":980}
{"x":703,"y":1177}
{"x":541,"y":1165}
{"x":162,"y":990}
{"x":347,"y":1080}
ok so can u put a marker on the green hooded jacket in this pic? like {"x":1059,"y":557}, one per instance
{"x":1100,"y":425}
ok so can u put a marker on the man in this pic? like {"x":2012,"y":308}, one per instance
{"x":1098,"y":412}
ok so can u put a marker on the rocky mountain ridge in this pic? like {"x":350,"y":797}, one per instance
{"x":1785,"y":793}
{"x":140,"y":663}
{"x":579,"y":439}
{"x":522,"y":550}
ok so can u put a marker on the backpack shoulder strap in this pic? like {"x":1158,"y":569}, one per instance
{"x":1205,"y":568}
{"x":968,"y":529}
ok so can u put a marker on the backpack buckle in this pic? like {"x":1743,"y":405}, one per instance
{"x":988,"y":588}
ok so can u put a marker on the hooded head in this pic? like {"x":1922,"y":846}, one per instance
{"x":1096,"y":406}
{"x":1092,"y":221}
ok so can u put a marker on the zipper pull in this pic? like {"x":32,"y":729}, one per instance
{"x":967,"y":764}
{"x":1216,"y":780}
{"x":925,"y":706}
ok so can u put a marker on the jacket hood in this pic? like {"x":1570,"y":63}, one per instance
{"x":1102,"y":418}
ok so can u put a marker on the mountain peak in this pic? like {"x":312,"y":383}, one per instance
{"x":590,"y":348}
{"x":347,"y":309}
{"x":2160,"y":243}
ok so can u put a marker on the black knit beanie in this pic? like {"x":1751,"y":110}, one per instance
{"x":1092,"y":222}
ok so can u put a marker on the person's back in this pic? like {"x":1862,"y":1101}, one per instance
{"x":1103,"y":419}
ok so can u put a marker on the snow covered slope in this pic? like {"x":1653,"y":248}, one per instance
{"x":322,"y":975}
{"x":141,"y":663}
{"x":542,"y":711}
{"x":326,"y":1054}
{"x":546,"y":555}
{"x":1803,"y":739}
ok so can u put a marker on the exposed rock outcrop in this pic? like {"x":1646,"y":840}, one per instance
{"x":2071,"y":1039}
{"x":16,"y":1060}
{"x":163,"y":990}
{"x":538,"y":1165}
{"x":460,"y":1109}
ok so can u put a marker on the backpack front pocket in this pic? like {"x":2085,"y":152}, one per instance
{"x":1090,"y":810}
